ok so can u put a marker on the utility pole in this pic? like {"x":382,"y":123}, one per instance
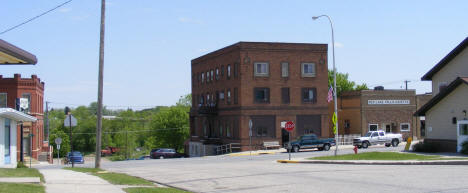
{"x":97,"y":163}
{"x":406,"y":84}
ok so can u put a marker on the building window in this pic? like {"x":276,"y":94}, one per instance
{"x":217,"y":74}
{"x":207,"y":76}
{"x":284,"y":69}
{"x":212,"y":75}
{"x":27,"y":96}
{"x":262,"y":132}
{"x":221,"y":95}
{"x":261,"y":95}
{"x":228,"y":129}
{"x":261,"y":69}
{"x":235,"y":96}
{"x":202,"y":100}
{"x":205,"y":131}
{"x":3,"y":100}
{"x":463,"y":129}
{"x":442,"y":86}
{"x":229,"y":71}
{"x":208,"y":101}
{"x":404,"y":127}
{"x":229,"y":96}
{"x":7,"y":141}
{"x":309,"y":95}
{"x":202,"y":77}
{"x":236,"y":70}
{"x":373,"y":127}
{"x":308,"y":69}
{"x":221,"y":129}
{"x":285,"y":95}
{"x":222,"y":70}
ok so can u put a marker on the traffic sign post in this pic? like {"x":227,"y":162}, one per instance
{"x":70,"y":121}
{"x":58,"y":141}
{"x":289,"y":127}
{"x":250,"y":136}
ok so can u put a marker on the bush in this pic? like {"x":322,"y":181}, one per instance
{"x":21,"y":165}
{"x":464,"y":149}
{"x":426,"y":147}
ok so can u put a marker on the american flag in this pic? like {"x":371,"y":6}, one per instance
{"x":330,"y":94}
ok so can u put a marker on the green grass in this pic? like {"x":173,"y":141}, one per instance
{"x":21,"y":188}
{"x":20,"y":172}
{"x":123,"y":179}
{"x":382,"y":156}
{"x":153,"y":190}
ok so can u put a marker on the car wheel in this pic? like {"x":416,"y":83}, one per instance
{"x":365,"y":144}
{"x":295,"y":148}
{"x":161,"y":157}
{"x":387,"y":145}
{"x":326,"y":147}
{"x":394,"y":143}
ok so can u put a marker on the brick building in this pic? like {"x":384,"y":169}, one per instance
{"x":268,"y":83}
{"x":31,"y":89}
{"x":390,"y":110}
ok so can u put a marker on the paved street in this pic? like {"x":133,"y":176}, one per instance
{"x":263,"y":174}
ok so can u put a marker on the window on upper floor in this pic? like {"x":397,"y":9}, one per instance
{"x":261,"y":69}
{"x":229,"y":96}
{"x":228,"y":71}
{"x":404,"y":127}
{"x":442,"y":86}
{"x":26,"y":107}
{"x":261,"y":95}
{"x":285,"y":95}
{"x":309,"y":95}
{"x":3,"y":100}
{"x":222,"y":70}
{"x":207,"y":76}
{"x":217,"y":73}
{"x":221,"y":95}
{"x":202,"y":77}
{"x":284,"y":69}
{"x":308,"y":69}
{"x":235,"y":96}
{"x":202,"y":100}
{"x":212,"y":75}
{"x":236,"y":69}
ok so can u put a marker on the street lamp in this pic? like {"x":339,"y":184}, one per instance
{"x":334,"y":78}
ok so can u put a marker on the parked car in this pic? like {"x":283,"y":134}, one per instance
{"x":163,"y":153}
{"x":312,"y":141}
{"x":376,"y":138}
{"x":108,"y":151}
{"x":76,"y":157}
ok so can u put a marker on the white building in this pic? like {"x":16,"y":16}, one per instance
{"x":9,"y":118}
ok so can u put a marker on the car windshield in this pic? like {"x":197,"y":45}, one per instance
{"x":75,"y":154}
{"x":368,"y":134}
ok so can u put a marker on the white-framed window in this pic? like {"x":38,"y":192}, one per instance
{"x":308,"y":69}
{"x":3,"y":100}
{"x":373,"y":127}
{"x":404,"y":127}
{"x":202,"y":77}
{"x":229,"y":71}
{"x":284,"y":69}
{"x":261,"y":69}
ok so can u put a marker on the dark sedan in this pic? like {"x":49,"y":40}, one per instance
{"x":76,"y":157}
{"x":163,"y":153}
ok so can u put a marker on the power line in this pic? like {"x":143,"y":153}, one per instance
{"x":29,"y":20}
{"x":138,"y":131}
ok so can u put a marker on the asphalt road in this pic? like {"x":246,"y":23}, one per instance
{"x":262,"y":174}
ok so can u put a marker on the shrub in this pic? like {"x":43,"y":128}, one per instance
{"x":21,"y":165}
{"x":464,"y":149}
{"x":426,"y":147}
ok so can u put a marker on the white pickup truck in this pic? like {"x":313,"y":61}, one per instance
{"x":377,"y":137}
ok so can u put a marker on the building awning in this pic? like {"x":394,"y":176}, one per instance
{"x":10,"y":54}
{"x":16,"y":115}
{"x":437,"y":98}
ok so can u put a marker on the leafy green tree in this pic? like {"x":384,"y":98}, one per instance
{"x":343,"y":84}
{"x":171,"y":128}
{"x":64,"y":146}
{"x":185,"y":100}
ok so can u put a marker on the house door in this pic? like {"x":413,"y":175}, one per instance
{"x":462,"y":133}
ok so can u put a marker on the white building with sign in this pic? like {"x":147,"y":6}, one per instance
{"x":9,"y":118}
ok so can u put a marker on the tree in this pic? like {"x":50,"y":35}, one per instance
{"x":185,"y":100}
{"x":343,"y":84}
{"x":171,"y":128}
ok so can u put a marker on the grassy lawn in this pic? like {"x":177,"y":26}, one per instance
{"x":21,"y":188}
{"x":153,"y":190}
{"x":85,"y":170}
{"x":383,"y":156}
{"x":20,"y":172}
{"x":113,"y":178}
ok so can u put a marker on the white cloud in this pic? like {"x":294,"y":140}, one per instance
{"x":189,"y":20}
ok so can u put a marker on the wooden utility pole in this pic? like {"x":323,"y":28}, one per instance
{"x":97,"y":163}
{"x":406,"y":84}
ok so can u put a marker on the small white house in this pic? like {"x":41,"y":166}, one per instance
{"x":9,"y":118}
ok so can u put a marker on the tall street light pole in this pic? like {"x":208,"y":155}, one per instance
{"x":334,"y":78}
{"x":97,"y":163}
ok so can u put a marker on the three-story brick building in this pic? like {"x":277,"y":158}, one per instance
{"x":267,"y":83}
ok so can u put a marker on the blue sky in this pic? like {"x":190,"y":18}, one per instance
{"x":149,"y":44}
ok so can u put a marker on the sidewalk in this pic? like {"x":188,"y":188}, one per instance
{"x":59,"y":180}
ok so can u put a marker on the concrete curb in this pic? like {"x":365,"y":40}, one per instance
{"x":34,"y":180}
{"x":373,"y":162}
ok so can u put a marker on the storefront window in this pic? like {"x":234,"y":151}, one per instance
{"x":373,"y":127}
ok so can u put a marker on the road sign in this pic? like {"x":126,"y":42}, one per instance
{"x":58,"y":140}
{"x":289,"y":126}
{"x":69,"y":123}
{"x":250,"y":124}
{"x":334,"y":123}
{"x":58,"y":146}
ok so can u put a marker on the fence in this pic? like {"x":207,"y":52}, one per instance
{"x":347,"y":139}
{"x":222,"y":149}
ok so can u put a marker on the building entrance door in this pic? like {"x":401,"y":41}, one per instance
{"x":462,"y":133}
{"x":388,"y":128}
{"x":26,"y":146}
{"x":284,"y":136}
